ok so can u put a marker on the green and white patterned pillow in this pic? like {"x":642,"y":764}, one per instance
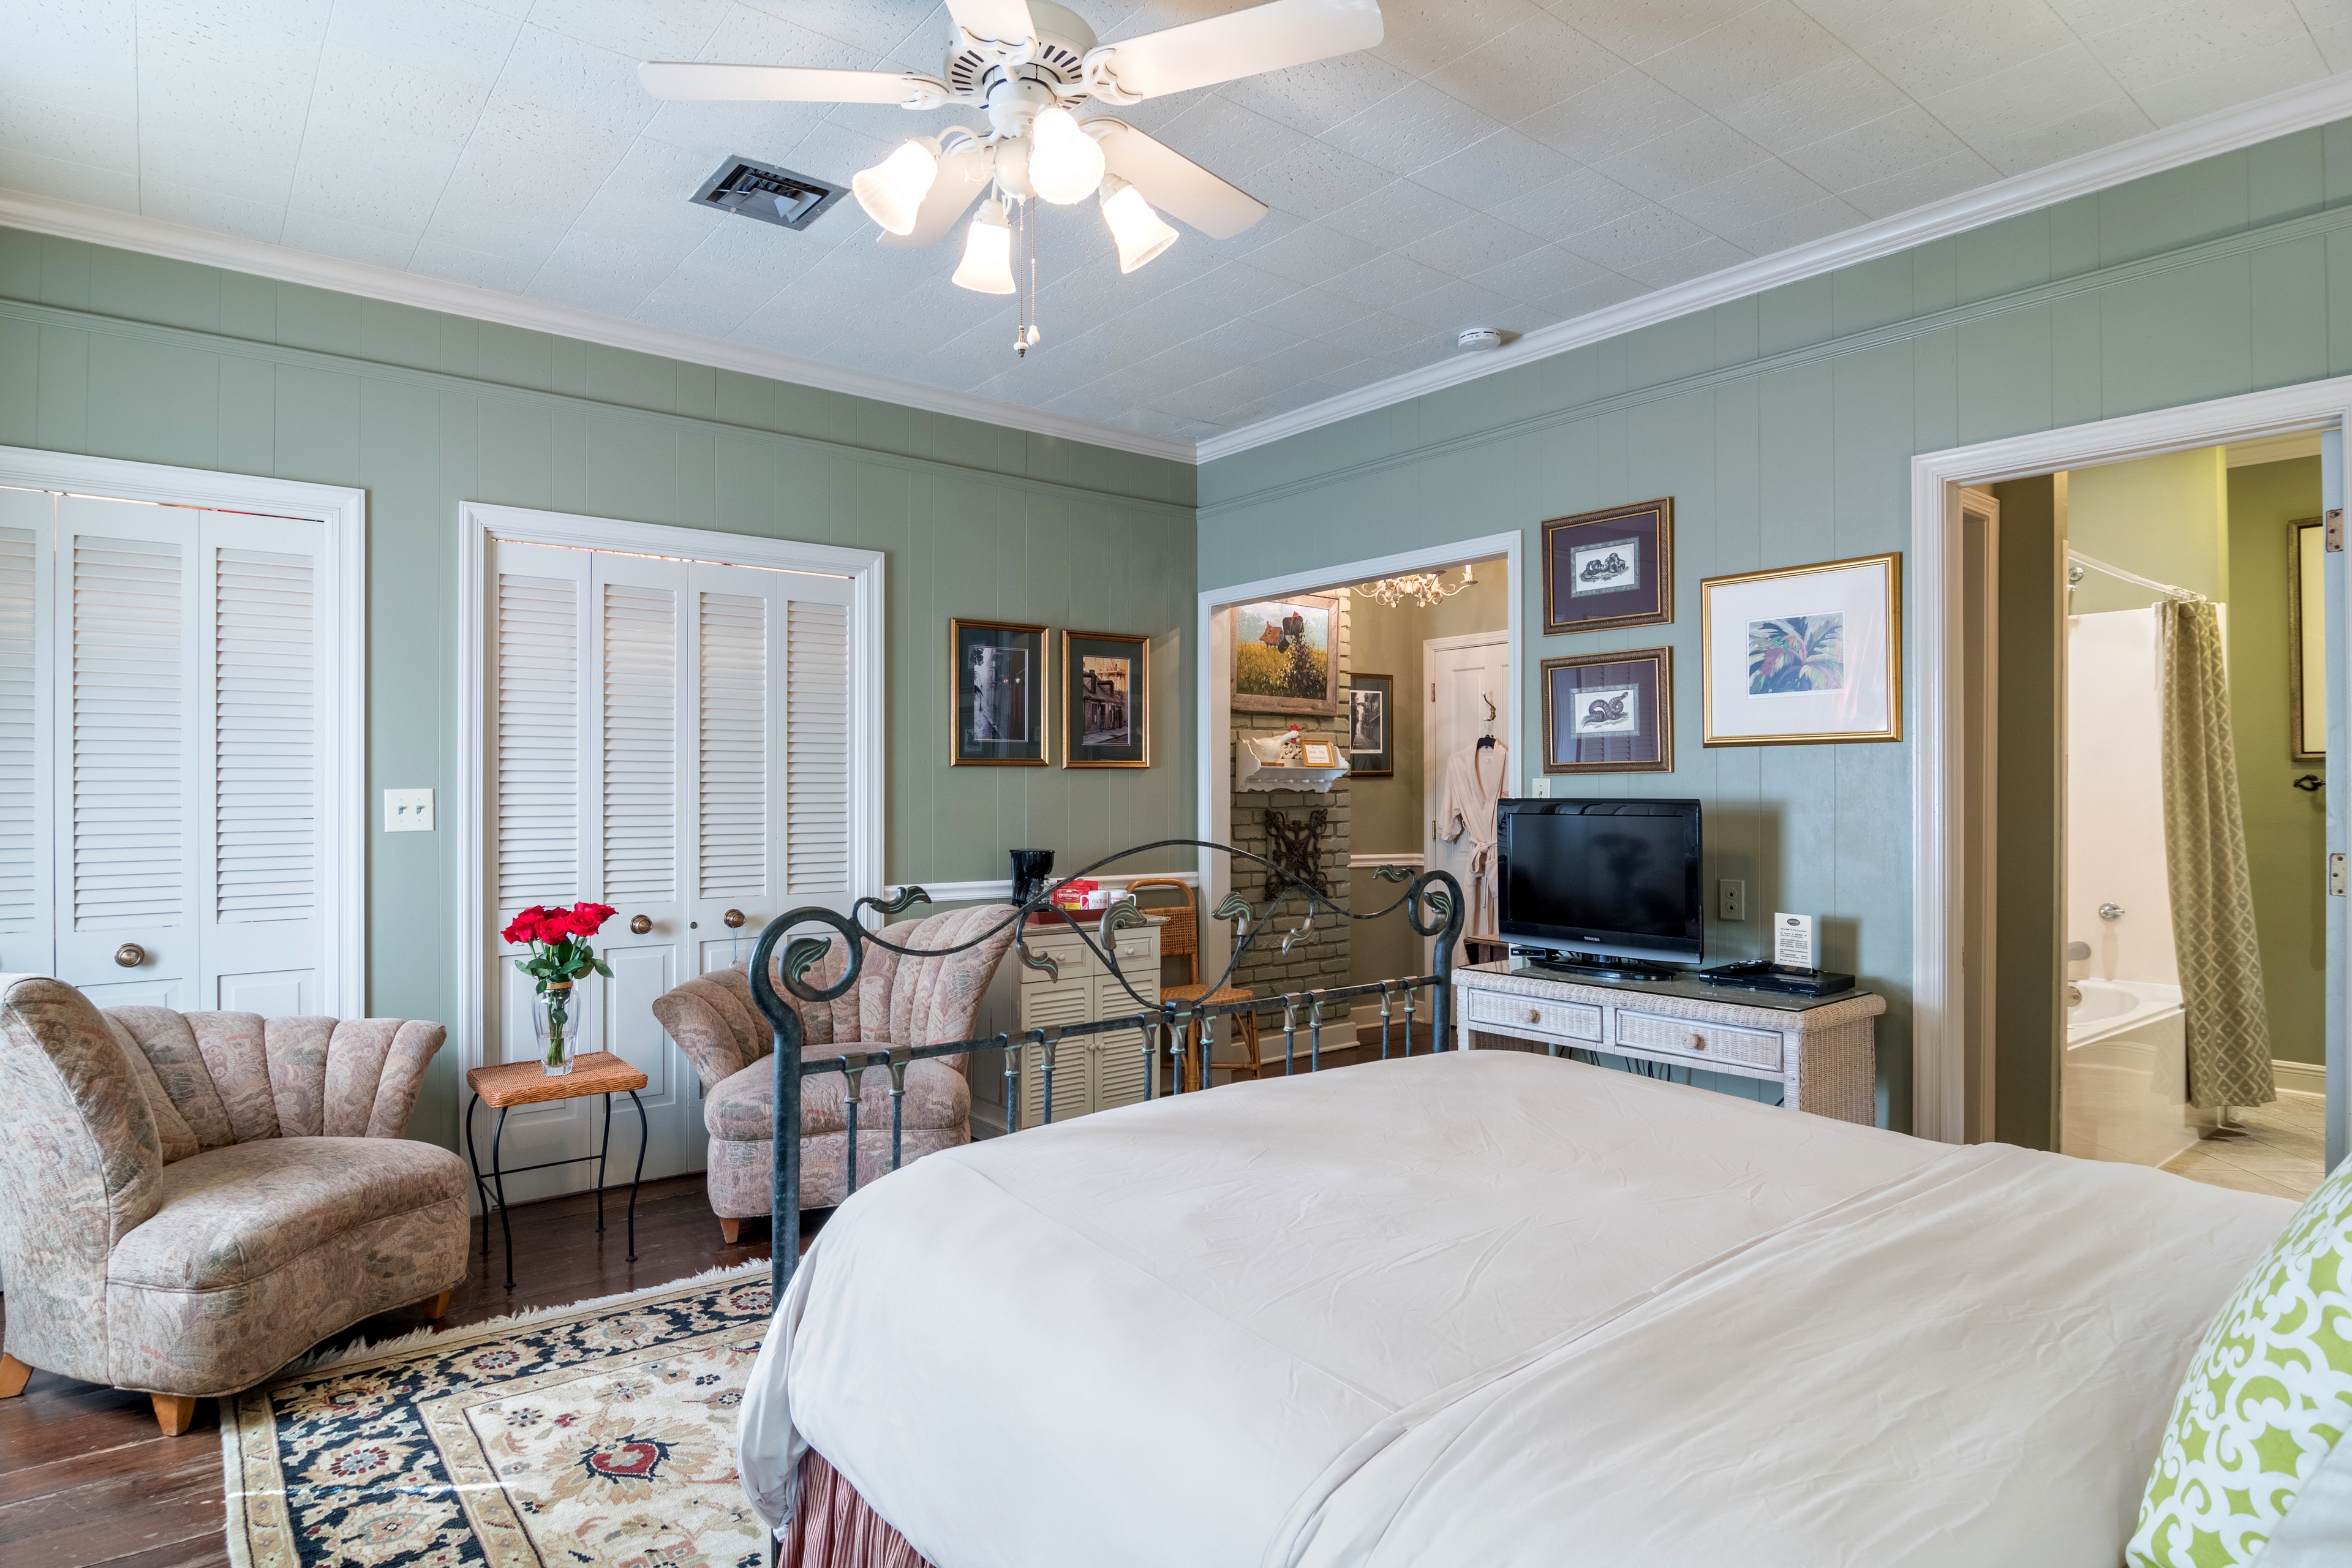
{"x":2268,"y":1397}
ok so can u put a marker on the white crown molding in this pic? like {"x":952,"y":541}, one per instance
{"x":176,"y":242}
{"x":2297,"y":109}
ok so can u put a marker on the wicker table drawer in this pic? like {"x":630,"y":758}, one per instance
{"x":1697,"y":1040}
{"x":1570,"y":1020}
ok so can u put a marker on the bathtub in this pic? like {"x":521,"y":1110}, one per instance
{"x":2124,"y":1084}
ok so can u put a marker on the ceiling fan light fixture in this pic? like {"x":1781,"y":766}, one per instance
{"x":1139,"y":232}
{"x":987,"y":265}
{"x":1066,"y":164}
{"x":892,"y":192}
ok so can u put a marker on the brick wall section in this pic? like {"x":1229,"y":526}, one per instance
{"x":1320,"y":959}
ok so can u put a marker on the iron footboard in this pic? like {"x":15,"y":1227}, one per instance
{"x":1431,"y":905}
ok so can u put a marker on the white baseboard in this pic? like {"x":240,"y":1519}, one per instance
{"x":2300,"y":1078}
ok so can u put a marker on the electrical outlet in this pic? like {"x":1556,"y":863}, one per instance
{"x":1731,"y":899}
{"x":408,"y":811}
{"x":1540,"y":787}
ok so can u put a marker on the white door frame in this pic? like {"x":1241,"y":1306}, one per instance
{"x":342,"y":513}
{"x":1212,"y":667}
{"x":1939,"y":1088}
{"x":478,"y":525}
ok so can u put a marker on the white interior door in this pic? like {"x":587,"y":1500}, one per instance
{"x":1461,"y":678}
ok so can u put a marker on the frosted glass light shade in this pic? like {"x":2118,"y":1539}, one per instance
{"x":1066,"y":164}
{"x":892,"y":192}
{"x":987,"y":265}
{"x":1139,"y":231}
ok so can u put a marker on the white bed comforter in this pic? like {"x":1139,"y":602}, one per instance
{"x":1494,"y":1309}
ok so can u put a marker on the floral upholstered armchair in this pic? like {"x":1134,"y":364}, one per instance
{"x":196,"y":1199}
{"x":897,"y":1001}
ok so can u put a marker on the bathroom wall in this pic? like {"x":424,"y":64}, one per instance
{"x":2165,"y":517}
{"x":2115,"y":800}
{"x":2029,"y":933}
{"x":2286,"y":828}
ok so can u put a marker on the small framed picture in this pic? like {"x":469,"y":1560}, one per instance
{"x":998,"y":674}
{"x":1610,"y":713}
{"x":1282,"y":655}
{"x":1106,"y":694}
{"x":1612,"y":568}
{"x":1317,"y":755}
{"x":2307,"y":640}
{"x":1799,"y":655}
{"x":1372,"y":745}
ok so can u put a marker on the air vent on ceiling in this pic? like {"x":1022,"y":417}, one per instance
{"x":770,"y":194}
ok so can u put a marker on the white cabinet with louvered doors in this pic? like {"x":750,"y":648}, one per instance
{"x":165,"y":697}
{"x":670,"y":737}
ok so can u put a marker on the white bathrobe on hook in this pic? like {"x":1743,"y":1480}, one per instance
{"x":1473,"y":784}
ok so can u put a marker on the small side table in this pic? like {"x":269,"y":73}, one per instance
{"x":525,"y":1083}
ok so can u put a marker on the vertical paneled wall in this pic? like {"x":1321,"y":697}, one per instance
{"x":123,"y":355}
{"x":1783,"y":423}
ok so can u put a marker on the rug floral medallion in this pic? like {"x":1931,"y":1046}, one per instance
{"x":600,"y":1437}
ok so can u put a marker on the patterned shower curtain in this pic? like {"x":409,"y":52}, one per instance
{"x":2205,"y":849}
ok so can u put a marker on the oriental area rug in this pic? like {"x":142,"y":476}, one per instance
{"x":581,"y":1437}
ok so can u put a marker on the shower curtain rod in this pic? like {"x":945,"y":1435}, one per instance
{"x":2167,"y":589}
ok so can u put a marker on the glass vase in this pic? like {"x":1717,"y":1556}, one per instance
{"x":555,"y":1019}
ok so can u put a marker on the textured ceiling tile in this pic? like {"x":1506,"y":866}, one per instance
{"x":1458,"y":305}
{"x":1858,"y":23}
{"x":1963,"y":46}
{"x":1583,"y":199}
{"x":1395,"y":213}
{"x":1312,"y":98}
{"x":877,"y":26}
{"x":1747,"y":54}
{"x":1846,"y":92}
{"x":1527,"y":69}
{"x":1247,"y":341}
{"x":331,"y":236}
{"x":68,"y":181}
{"x":1644,"y":236}
{"x":1747,"y":198}
{"x":2288,"y":63}
{"x":1412,"y":128}
{"x":1910,"y":138}
{"x":2003,"y":115}
{"x":1471,"y":246}
{"x":214,"y":210}
{"x":73,"y":135}
{"x":672,"y":30}
{"x":2150,"y":49}
{"x":223,"y":94}
{"x":1422,"y":35}
{"x":1540,"y":275}
{"x":1489,"y":173}
{"x":1314,"y":312}
{"x":1304,"y":359}
{"x":382,"y":179}
{"x":1710,"y":255}
{"x":683,"y":306}
{"x":1622,"y":112}
{"x":1376,"y":332}
{"x":1598,"y":295}
{"x":483,"y":269}
{"x":1315,"y":179}
{"x":1310,"y":253}
{"x":1795,"y":225}
{"x":1637,"y":29}
{"x":2014,"y":150}
{"x":1694,"y":154}
{"x":1223,"y":136}
{"x":585,"y":291}
{"x":1384,"y":279}
{"x":1963,"y":171}
{"x":77,"y":54}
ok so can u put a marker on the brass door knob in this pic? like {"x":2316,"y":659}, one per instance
{"x":732,"y":920}
{"x":130,"y":955}
{"x":641,"y":924}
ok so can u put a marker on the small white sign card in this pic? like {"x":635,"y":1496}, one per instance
{"x":1792,"y":941}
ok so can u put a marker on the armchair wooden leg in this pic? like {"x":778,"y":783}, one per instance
{"x":175,"y":1412}
{"x":730,"y":1228}
{"x":13,"y":1374}
{"x":437,"y":1308}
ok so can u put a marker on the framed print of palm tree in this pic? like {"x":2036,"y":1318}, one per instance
{"x":1799,"y":655}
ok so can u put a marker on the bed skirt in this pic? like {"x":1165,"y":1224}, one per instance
{"x":833,"y":1528}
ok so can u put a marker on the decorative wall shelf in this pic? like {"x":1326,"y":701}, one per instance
{"x":1261,"y":767}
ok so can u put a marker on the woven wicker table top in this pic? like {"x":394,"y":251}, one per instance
{"x":524,"y":1083}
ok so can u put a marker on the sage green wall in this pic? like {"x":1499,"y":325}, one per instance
{"x":2165,"y":517}
{"x":1783,"y":423}
{"x":123,"y":355}
{"x":2028,"y":805}
{"x":2286,"y":829}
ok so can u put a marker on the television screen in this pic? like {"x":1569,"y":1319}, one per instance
{"x":1615,"y":877}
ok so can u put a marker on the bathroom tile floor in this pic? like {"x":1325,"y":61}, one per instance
{"x":2279,"y":1148}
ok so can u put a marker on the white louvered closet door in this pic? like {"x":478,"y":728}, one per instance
{"x":670,"y":738}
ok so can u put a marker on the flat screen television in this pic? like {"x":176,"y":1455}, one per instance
{"x":1613,"y":879}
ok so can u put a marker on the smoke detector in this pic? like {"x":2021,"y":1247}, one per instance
{"x":1477,"y":340}
{"x":770,"y":194}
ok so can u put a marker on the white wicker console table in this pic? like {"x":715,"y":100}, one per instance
{"x":1821,"y":1050}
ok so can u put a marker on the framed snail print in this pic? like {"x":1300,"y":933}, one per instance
{"x":1612,"y":568}
{"x":1610,"y":713}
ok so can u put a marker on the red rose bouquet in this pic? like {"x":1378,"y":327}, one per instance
{"x":559,"y":955}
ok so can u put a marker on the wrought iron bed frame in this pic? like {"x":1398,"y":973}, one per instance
{"x":1432,"y":907}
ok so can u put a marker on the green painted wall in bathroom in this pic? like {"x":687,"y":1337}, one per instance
{"x":1783,"y":425}
{"x":2166,"y":516}
{"x":2286,"y":829}
{"x":125,"y":355}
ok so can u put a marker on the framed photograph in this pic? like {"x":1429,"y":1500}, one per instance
{"x":1614,"y":568}
{"x":1282,"y":655}
{"x":1317,"y":755}
{"x":1106,"y":697}
{"x":2307,"y":640}
{"x":1372,"y":739}
{"x":1803,"y":654}
{"x":998,"y":674}
{"x":1610,"y":713}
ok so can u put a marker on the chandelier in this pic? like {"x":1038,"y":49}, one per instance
{"x":1423,"y":588}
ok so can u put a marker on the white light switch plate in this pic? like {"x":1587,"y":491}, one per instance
{"x":1540,"y":787}
{"x":408,"y":811}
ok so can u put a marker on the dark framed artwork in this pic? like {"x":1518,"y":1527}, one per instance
{"x":997,"y":671}
{"x":1371,"y":725}
{"x":1282,"y":656}
{"x":1612,"y":568}
{"x":2307,"y":640}
{"x":1610,"y":713}
{"x":1106,"y":701}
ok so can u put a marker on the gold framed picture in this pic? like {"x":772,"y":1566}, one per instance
{"x":1610,"y":568}
{"x":1803,"y":655}
{"x":1610,"y":713}
{"x":2307,"y":640}
{"x":1317,"y":755}
{"x":1106,"y":701}
{"x":996,"y":671}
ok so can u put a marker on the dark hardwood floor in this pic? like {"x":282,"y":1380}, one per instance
{"x":86,"y":1477}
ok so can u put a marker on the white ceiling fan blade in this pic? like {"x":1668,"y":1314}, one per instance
{"x":1001,"y":21}
{"x":1242,"y":43}
{"x":777,"y":84}
{"x":1174,"y":184}
{"x":963,"y":175}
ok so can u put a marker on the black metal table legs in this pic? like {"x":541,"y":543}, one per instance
{"x":493,"y":1188}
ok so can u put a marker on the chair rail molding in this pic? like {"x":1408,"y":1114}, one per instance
{"x":1939,"y":980}
{"x":342,"y":513}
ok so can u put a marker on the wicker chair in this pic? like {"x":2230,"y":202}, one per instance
{"x":1180,"y":938}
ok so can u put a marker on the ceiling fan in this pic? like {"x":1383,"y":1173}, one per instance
{"x":1028,"y":63}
